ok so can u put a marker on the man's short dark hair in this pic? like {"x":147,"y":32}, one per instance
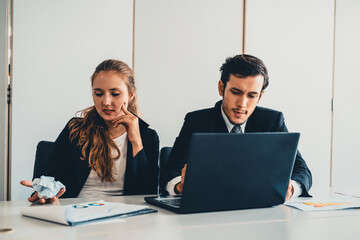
{"x":242,"y":66}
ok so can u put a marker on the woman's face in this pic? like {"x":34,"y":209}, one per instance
{"x":110,"y":92}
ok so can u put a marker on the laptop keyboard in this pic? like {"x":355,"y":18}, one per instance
{"x":174,"y":202}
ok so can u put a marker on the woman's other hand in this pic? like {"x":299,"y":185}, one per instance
{"x":35,"y":196}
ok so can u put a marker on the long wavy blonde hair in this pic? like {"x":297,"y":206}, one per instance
{"x":92,"y":132}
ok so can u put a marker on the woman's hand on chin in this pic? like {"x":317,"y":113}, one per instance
{"x":131,"y":123}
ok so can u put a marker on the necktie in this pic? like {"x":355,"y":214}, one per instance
{"x":236,"y":129}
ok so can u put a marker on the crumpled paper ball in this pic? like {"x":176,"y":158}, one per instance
{"x":46,"y":186}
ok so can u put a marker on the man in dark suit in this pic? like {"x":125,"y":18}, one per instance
{"x":243,"y":81}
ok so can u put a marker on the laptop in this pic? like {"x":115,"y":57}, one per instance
{"x":234,"y":171}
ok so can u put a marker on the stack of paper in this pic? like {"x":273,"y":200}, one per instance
{"x":317,"y":204}
{"x":84,"y":212}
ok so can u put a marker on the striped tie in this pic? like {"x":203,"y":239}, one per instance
{"x":236,"y":129}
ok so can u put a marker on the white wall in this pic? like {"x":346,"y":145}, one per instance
{"x":3,"y":87}
{"x":295,"y":40}
{"x":57,"y":45}
{"x":346,"y":164}
{"x":179,"y":48}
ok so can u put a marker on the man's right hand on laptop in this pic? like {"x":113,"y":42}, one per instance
{"x":289,"y":192}
{"x":179,"y":187}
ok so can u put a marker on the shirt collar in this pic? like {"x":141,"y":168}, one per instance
{"x":229,"y":124}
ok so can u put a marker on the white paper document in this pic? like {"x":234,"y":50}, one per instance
{"x":325,"y":204}
{"x":84,"y":212}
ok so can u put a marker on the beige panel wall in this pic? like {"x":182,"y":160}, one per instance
{"x":179,"y":48}
{"x":295,"y":40}
{"x":3,"y":104}
{"x":57,"y":46}
{"x":346,"y":164}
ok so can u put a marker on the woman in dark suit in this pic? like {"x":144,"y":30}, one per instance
{"x":108,"y":151}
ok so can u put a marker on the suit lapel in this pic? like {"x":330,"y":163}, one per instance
{"x":219,"y":123}
{"x":251,"y":125}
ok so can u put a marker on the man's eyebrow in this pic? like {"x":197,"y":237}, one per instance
{"x":239,"y":90}
{"x":236,"y":89}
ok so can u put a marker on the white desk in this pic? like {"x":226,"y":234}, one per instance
{"x":280,"y":222}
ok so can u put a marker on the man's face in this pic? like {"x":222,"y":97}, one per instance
{"x":241,"y":96}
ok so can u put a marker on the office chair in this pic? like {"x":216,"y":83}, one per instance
{"x":164,"y":156}
{"x":42,"y":157}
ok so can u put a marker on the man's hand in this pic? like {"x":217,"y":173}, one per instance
{"x":179,"y":187}
{"x":35,"y":196}
{"x":290,"y":191}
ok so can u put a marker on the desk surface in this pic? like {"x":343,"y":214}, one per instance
{"x":280,"y":222}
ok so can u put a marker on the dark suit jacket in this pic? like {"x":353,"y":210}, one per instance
{"x":141,"y":174}
{"x":211,"y":120}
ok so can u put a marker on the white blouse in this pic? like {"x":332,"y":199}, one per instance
{"x":94,"y":187}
